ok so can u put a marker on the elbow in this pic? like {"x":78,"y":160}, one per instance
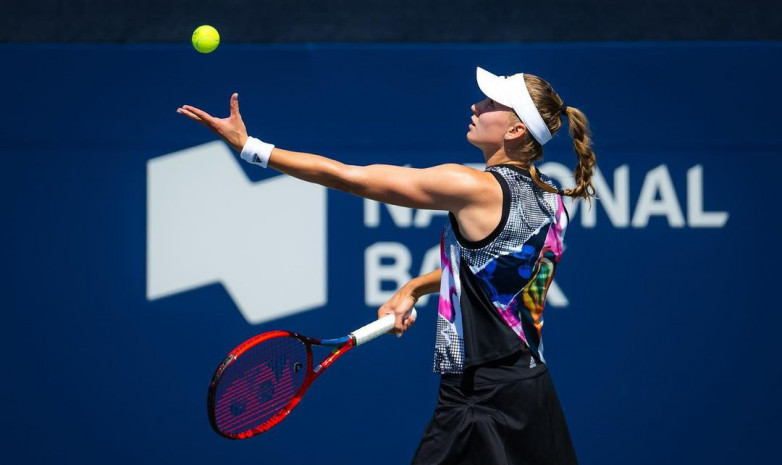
{"x":347,"y":178}
{"x":328,"y":173}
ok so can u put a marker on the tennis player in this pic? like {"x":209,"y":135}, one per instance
{"x":499,"y":250}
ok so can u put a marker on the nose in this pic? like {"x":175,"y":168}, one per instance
{"x":474,"y":109}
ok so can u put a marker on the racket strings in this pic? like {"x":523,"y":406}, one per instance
{"x":259,"y":384}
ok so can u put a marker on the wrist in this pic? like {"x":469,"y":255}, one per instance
{"x":257,"y":152}
{"x":412,"y":291}
{"x":241,"y":143}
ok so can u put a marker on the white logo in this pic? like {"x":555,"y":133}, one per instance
{"x":207,"y":223}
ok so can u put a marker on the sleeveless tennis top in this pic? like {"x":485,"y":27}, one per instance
{"x":492,"y":291}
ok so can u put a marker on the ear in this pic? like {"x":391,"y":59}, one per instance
{"x":515,"y":131}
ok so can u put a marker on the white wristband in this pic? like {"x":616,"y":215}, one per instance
{"x":257,"y":152}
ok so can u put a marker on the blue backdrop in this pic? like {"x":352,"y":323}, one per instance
{"x":661,"y":344}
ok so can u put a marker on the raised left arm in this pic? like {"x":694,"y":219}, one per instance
{"x":448,"y":187}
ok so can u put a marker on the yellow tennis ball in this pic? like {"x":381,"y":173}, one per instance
{"x":206,"y":38}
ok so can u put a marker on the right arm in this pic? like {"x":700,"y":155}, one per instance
{"x":407,"y":296}
{"x":448,"y":187}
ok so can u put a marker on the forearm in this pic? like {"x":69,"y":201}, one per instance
{"x":311,"y":168}
{"x":403,"y":300}
{"x":444,"y":187}
{"x":376,"y":182}
{"x":424,"y":284}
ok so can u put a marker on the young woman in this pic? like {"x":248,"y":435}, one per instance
{"x":499,"y":251}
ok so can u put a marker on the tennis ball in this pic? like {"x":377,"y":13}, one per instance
{"x":206,"y":38}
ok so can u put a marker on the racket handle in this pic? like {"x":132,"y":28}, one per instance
{"x":377,"y":328}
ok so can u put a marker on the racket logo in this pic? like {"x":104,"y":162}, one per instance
{"x":266,"y":391}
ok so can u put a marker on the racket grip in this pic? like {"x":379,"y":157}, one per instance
{"x":377,"y":328}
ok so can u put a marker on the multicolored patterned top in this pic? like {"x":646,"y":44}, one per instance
{"x":492,"y":291}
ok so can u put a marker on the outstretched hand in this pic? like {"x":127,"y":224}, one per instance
{"x":232,"y":129}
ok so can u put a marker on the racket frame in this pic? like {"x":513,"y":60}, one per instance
{"x":341,"y":346}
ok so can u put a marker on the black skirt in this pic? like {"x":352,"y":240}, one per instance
{"x":506,"y":413}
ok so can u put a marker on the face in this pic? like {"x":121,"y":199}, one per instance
{"x":490,"y":125}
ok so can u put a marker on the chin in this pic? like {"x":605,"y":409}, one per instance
{"x":472,"y":140}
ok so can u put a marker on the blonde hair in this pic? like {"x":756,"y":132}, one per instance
{"x":549,"y":104}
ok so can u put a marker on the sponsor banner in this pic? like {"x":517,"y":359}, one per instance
{"x":142,"y":249}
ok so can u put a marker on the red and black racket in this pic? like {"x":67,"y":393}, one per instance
{"x":262,"y":380}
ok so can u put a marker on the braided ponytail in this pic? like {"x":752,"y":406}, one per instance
{"x":551,"y":108}
{"x":582,"y":143}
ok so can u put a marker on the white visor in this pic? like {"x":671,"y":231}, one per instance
{"x":511,"y":91}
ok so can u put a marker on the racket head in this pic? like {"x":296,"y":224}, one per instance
{"x":259,"y":383}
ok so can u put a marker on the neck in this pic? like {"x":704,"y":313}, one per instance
{"x":499,"y":157}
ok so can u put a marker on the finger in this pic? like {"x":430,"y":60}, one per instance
{"x":399,"y":323}
{"x":235,"y":105}
{"x":189,"y":114}
{"x":384,"y":311}
{"x":198,"y":112}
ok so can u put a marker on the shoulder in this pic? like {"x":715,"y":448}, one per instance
{"x":463,"y":176}
{"x":455,"y":168}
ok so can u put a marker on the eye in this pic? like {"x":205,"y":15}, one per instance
{"x":491,"y":102}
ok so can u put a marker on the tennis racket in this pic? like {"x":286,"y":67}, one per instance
{"x":260,"y":382}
